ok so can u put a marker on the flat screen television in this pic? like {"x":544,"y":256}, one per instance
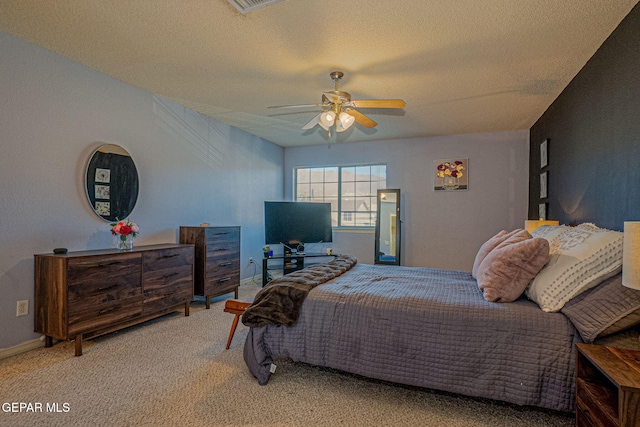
{"x":293,"y":223}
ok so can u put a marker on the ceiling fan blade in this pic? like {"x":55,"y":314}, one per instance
{"x":312,"y":122}
{"x":296,"y":106}
{"x":378,"y":103}
{"x":361,"y":118}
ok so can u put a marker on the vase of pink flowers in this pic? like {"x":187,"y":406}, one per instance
{"x":123,"y":234}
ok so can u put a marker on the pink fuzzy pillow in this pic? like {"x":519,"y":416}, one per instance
{"x":506,"y":271}
{"x":487,"y":247}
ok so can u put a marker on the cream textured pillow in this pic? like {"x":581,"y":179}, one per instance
{"x":505,"y":273}
{"x":581,"y":257}
{"x":487,"y":247}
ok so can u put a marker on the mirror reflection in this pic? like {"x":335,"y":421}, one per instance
{"x":112,"y":182}
{"x":388,"y":228}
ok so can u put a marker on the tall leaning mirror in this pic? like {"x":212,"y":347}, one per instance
{"x":388,"y":228}
{"x":112,"y":182}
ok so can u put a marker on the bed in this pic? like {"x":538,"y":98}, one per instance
{"x":437,"y":328}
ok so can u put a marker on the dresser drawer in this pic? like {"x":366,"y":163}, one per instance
{"x":168,"y":287}
{"x":222,"y":240}
{"x":223,"y":275}
{"x":167,"y":279}
{"x":167,"y":259}
{"x":88,"y":317}
{"x":218,"y":268}
{"x":92,"y":281}
{"x":221,"y":285}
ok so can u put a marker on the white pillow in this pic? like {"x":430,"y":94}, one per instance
{"x":581,"y":258}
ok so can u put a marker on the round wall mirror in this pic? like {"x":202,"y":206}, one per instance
{"x":112,"y":182}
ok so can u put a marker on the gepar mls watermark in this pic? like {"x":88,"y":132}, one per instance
{"x":59,"y":407}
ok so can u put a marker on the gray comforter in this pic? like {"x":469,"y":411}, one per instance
{"x":429,"y":328}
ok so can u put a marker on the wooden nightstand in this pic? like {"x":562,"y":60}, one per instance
{"x":607,"y":386}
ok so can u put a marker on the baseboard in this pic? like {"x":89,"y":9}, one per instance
{"x":251,"y":280}
{"x":21,"y":348}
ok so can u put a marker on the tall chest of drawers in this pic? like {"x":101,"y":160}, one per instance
{"x":89,"y":293}
{"x":217,"y":259}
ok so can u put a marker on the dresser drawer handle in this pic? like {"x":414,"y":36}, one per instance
{"x":222,"y":249}
{"x":224,"y":264}
{"x":104,"y":288}
{"x":106,"y":310}
{"x":226,"y":279}
{"x":169,"y":256}
{"x":105,"y":264}
{"x":166,"y":276}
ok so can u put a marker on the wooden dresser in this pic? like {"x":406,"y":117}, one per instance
{"x":607,"y":386}
{"x":217,"y":259}
{"x":83,"y":294}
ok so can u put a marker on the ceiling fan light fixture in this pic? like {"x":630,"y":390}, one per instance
{"x":328,"y":118}
{"x":340,"y":110}
{"x":346,"y":120}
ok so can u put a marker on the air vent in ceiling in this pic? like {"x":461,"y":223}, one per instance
{"x":246,"y":6}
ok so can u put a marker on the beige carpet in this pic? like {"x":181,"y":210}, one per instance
{"x":175,"y":371}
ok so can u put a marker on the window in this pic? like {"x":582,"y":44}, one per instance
{"x":351,"y":190}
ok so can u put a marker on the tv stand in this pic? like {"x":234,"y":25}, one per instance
{"x":289,"y":262}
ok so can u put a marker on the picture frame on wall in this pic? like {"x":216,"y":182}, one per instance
{"x":103,"y":208}
{"x":543,"y":185}
{"x":451,"y":174}
{"x":103,"y":192}
{"x":544,"y":156}
{"x":103,"y":175}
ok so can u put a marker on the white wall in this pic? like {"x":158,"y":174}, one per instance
{"x":440,"y":229}
{"x":55,"y":112}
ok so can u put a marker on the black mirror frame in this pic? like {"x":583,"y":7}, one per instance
{"x":119,"y":182}
{"x":378,"y":259}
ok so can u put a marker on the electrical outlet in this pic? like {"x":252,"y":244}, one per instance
{"x":250,"y":260}
{"x":22,"y":308}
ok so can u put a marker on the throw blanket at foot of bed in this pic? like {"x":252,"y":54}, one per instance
{"x":279,"y":302}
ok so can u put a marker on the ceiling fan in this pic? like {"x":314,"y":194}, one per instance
{"x":340,"y":110}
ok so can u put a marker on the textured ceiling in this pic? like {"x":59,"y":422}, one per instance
{"x":462,"y":66}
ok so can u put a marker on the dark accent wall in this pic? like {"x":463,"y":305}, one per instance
{"x":593,"y":129}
